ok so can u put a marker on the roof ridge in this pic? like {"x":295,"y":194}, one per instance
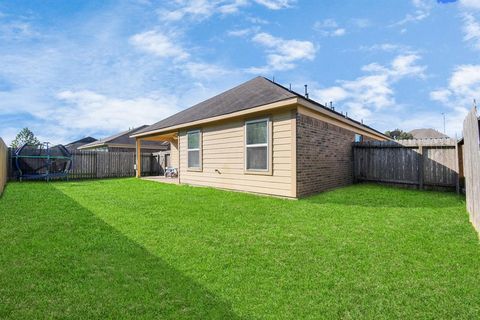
{"x":255,"y":92}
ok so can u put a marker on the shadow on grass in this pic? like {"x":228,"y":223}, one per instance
{"x":59,"y":260}
{"x":374,"y":195}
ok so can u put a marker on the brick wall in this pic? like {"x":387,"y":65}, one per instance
{"x":324,"y":156}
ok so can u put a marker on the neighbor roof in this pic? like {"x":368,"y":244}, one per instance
{"x":427,"y":133}
{"x":254,"y":93}
{"x":123,"y":138}
{"x":80,"y":142}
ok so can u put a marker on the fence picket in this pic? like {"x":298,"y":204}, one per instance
{"x":99,"y":164}
{"x":424,"y":163}
{"x":471,"y":164}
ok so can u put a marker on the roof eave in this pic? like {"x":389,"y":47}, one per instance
{"x":308,"y":103}
{"x":91,"y":146}
{"x":265,"y":107}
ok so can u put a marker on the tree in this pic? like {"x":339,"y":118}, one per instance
{"x":23,"y":137}
{"x":398,"y":134}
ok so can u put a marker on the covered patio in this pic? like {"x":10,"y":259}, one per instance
{"x":172,"y":138}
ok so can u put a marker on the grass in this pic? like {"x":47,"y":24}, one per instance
{"x":138,"y":249}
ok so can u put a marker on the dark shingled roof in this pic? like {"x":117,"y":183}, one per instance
{"x":256,"y":92}
{"x":253,"y":93}
{"x":124,"y":138}
{"x":78,"y":143}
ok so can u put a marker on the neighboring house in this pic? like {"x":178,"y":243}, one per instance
{"x":76,"y":144}
{"x":261,"y":137}
{"x":427,"y":133}
{"x":122,"y":142}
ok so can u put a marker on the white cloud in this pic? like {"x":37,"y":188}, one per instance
{"x":203,"y":9}
{"x":197,"y":9}
{"x":158,"y":44}
{"x":402,"y":65}
{"x":164,"y":47}
{"x":257,"y":20}
{"x":202,"y":70}
{"x":471,"y":29}
{"x":462,"y":88}
{"x":361,"y":22}
{"x":276,"y":4}
{"x":232,"y":7}
{"x":282,"y":54}
{"x":87,"y":109}
{"x":470,"y":4}
{"x":372,"y":91}
{"x":329,"y":27}
{"x":405,"y":65}
{"x":470,"y":10}
{"x":442,"y":95}
{"x":339,"y":32}
{"x":17,"y":30}
{"x":242,"y":32}
{"x":421,"y":12}
{"x":387,"y":47}
{"x":64,"y":86}
{"x":334,"y":93}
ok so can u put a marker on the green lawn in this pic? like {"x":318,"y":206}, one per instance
{"x":138,"y":249}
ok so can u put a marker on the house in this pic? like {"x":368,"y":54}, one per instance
{"x":427,"y":133}
{"x":121,"y":142}
{"x":78,"y":143}
{"x":261,"y":137}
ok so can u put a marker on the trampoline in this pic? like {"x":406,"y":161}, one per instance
{"x":42,"y":162}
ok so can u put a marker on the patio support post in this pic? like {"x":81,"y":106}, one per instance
{"x":138,"y":154}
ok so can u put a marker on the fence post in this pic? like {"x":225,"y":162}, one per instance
{"x":3,"y":165}
{"x":96,"y":165}
{"x":420,"y":167}
{"x":353,"y":164}
{"x":457,"y":163}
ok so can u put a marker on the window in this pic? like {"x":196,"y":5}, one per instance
{"x":257,"y":145}
{"x":194,"y":149}
{"x":358,"y":137}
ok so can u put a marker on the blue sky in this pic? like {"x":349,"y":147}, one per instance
{"x":69,"y":69}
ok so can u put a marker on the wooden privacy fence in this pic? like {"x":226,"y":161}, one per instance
{"x":420,"y":163}
{"x":471,"y":166}
{"x":100,"y":164}
{"x":3,"y":165}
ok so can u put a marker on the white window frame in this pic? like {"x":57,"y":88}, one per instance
{"x":199,"y":149}
{"x":358,"y":135}
{"x":267,"y":144}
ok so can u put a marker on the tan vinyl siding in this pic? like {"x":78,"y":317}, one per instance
{"x":223,"y":149}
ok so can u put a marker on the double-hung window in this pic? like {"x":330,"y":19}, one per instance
{"x":194,"y":150}
{"x":257,"y":145}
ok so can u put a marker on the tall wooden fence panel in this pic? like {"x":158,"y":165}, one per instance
{"x":3,"y":165}
{"x":471,"y":166}
{"x":421,"y":163}
{"x":99,"y":164}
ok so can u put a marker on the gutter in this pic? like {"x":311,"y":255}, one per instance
{"x":308,"y":103}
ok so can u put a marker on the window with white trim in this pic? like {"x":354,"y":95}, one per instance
{"x":194,"y":149}
{"x":257,"y":145}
